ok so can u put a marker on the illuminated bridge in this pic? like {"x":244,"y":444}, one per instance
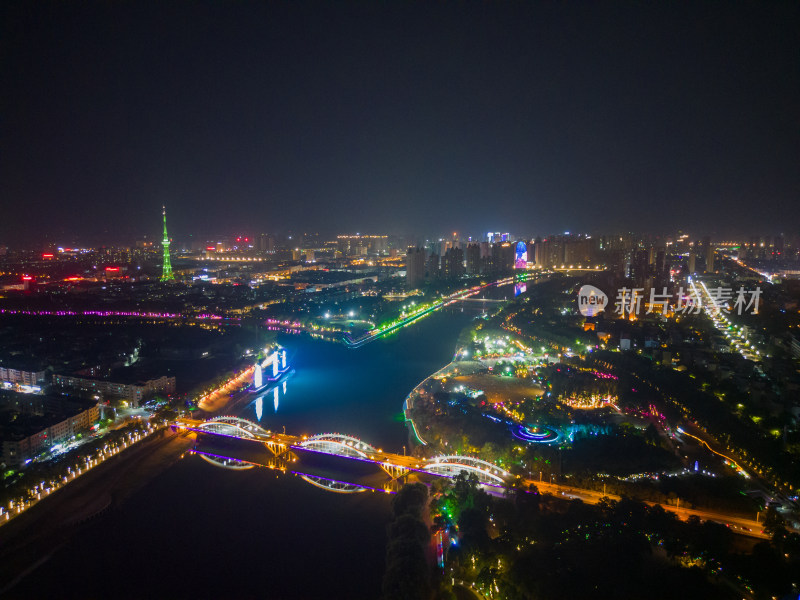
{"x":238,"y":444}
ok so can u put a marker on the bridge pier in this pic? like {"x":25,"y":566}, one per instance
{"x":396,"y":472}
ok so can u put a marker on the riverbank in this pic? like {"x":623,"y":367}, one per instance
{"x":217,"y":399}
{"x":29,"y":539}
{"x":430,"y":385}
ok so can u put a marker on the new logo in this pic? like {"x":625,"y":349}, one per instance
{"x":591,"y":300}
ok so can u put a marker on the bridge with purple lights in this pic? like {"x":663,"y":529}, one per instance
{"x":325,"y":460}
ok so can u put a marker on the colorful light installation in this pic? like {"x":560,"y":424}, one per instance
{"x":521,"y":256}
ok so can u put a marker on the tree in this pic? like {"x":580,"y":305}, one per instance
{"x":473,"y":525}
{"x":407,"y":576}
{"x":775,"y":527}
{"x":410,"y":500}
{"x":651,"y":435}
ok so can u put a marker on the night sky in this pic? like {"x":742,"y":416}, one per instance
{"x":392,"y":117}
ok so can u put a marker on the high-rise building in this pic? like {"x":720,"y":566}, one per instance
{"x":537,"y":255}
{"x":473,"y":259}
{"x":502,"y":258}
{"x":266,"y":243}
{"x":709,"y":250}
{"x":662,"y":267}
{"x":166,"y":270}
{"x":549,"y":252}
{"x":415,"y":267}
{"x":693,"y":259}
{"x":453,"y":264}
{"x":640,"y":268}
{"x":432,"y":266}
{"x":751,"y":248}
{"x":361,"y":245}
{"x":580,"y":250}
{"x":777,"y":247}
{"x":312,"y":240}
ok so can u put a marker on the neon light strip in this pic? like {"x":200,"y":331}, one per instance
{"x":416,"y":432}
{"x":366,"y":487}
{"x":682,"y":432}
{"x":301,"y":474}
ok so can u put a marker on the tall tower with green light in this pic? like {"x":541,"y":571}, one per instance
{"x":166,"y":272}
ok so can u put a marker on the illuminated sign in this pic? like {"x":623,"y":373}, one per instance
{"x":521,"y":258}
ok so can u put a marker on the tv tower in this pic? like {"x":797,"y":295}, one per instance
{"x":166,"y":273}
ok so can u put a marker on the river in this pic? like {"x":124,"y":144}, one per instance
{"x":196,"y":531}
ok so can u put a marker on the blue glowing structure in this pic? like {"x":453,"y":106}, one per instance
{"x":542,"y":435}
{"x":270,"y":370}
{"x":521,"y":256}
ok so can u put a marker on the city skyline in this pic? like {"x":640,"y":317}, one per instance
{"x":249,"y":236}
{"x":385,"y":118}
{"x":528,"y":271}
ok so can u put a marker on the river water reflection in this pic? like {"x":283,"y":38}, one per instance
{"x":199,"y":531}
{"x":358,"y":392}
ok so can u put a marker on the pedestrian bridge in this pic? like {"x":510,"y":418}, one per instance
{"x":286,"y":451}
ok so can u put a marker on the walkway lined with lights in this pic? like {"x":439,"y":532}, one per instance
{"x":44,"y":489}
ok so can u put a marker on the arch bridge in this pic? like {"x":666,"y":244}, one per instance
{"x":236,"y":427}
{"x":452,"y":465}
{"x":285,"y":447}
{"x":339,"y":444}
